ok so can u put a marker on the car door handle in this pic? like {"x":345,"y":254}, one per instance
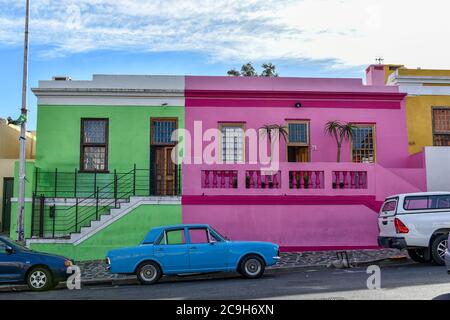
{"x":193,"y":248}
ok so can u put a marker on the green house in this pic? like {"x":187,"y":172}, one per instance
{"x":106,"y":169}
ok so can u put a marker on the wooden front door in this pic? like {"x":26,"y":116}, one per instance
{"x":163,"y":177}
{"x":165,"y":172}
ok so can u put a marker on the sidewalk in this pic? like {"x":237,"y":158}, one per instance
{"x":95,"y":272}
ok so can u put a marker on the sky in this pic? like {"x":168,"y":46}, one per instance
{"x":304,"y":38}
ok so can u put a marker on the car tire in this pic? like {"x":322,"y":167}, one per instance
{"x":438,"y":248}
{"x":418,"y":255}
{"x":40,"y":279}
{"x":252,"y":267}
{"x":148,"y":273}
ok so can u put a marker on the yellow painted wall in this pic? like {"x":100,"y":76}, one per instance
{"x":424,"y":72}
{"x":9,"y":153}
{"x":420,"y":121}
{"x":9,"y":142}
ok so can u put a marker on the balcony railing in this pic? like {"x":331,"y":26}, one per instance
{"x":288,"y":179}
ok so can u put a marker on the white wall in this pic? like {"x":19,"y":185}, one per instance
{"x":437,"y":162}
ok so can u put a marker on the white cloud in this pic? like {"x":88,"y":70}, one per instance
{"x":348,"y":32}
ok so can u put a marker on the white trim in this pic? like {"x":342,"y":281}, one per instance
{"x":107,"y":219}
{"x":114,"y":90}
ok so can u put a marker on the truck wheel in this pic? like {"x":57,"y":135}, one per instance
{"x":418,"y":255}
{"x":148,"y":272}
{"x":252,"y":267}
{"x":438,"y":248}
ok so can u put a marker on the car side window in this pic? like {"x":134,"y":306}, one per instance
{"x":2,"y":248}
{"x":173,"y":237}
{"x":443,"y":202}
{"x":199,"y":235}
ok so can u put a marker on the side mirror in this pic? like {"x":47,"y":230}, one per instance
{"x":9,"y":250}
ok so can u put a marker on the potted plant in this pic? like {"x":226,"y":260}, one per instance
{"x":274,"y":131}
{"x":341,"y":132}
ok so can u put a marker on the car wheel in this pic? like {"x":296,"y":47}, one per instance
{"x":148,"y":273}
{"x":418,"y":255}
{"x":438,"y":248}
{"x":39,"y":279}
{"x":252,"y":267}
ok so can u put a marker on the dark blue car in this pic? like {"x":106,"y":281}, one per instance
{"x":41,"y":271}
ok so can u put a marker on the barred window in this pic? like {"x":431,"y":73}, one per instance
{"x":162,"y":130}
{"x":298,"y":133}
{"x":363,"y":144}
{"x":441,"y":127}
{"x":94,"y":145}
{"x":232,"y":143}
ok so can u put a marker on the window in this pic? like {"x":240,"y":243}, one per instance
{"x":162,"y":129}
{"x":94,"y":145}
{"x":173,"y":237}
{"x":427,"y":202}
{"x":389,"y":206}
{"x":2,"y":248}
{"x":363,"y":144}
{"x":298,"y":141}
{"x":441,"y":127}
{"x":232,"y":142}
{"x":199,"y":235}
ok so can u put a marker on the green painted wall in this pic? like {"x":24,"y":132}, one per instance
{"x":58,"y":145}
{"x":58,"y":130}
{"x":128,"y":231}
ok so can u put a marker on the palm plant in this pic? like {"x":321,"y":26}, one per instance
{"x":279,"y":130}
{"x":341,"y":132}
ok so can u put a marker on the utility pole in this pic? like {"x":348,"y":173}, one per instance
{"x":23,"y":132}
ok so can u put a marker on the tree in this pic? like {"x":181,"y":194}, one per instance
{"x":247,"y":70}
{"x":341,"y":132}
{"x":268,"y":70}
{"x":279,"y":130}
{"x":233,"y":73}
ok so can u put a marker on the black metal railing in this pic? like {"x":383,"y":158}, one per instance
{"x":65,"y":202}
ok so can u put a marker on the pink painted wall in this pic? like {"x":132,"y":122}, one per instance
{"x":391,"y":134}
{"x":298,"y":227}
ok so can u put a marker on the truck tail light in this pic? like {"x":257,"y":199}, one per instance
{"x":400,"y":226}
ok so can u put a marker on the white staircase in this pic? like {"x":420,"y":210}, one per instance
{"x":108,"y":219}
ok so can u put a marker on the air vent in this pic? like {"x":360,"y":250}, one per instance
{"x":62,"y":78}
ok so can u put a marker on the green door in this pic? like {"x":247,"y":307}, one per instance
{"x":8,"y":188}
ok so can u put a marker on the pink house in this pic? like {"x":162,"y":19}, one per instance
{"x":311,"y":201}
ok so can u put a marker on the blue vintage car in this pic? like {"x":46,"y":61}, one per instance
{"x":188,"y":249}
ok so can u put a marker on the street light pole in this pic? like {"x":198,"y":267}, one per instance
{"x":23,"y":132}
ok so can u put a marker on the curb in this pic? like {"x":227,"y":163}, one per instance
{"x":131,"y":280}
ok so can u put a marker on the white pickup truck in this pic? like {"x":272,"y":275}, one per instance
{"x":418,"y":222}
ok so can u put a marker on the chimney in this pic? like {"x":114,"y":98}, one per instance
{"x":375,"y":75}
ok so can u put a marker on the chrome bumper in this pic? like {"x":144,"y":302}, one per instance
{"x":276,"y":258}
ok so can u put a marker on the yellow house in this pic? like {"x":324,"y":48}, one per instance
{"x":9,"y":154}
{"x":427,"y":104}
